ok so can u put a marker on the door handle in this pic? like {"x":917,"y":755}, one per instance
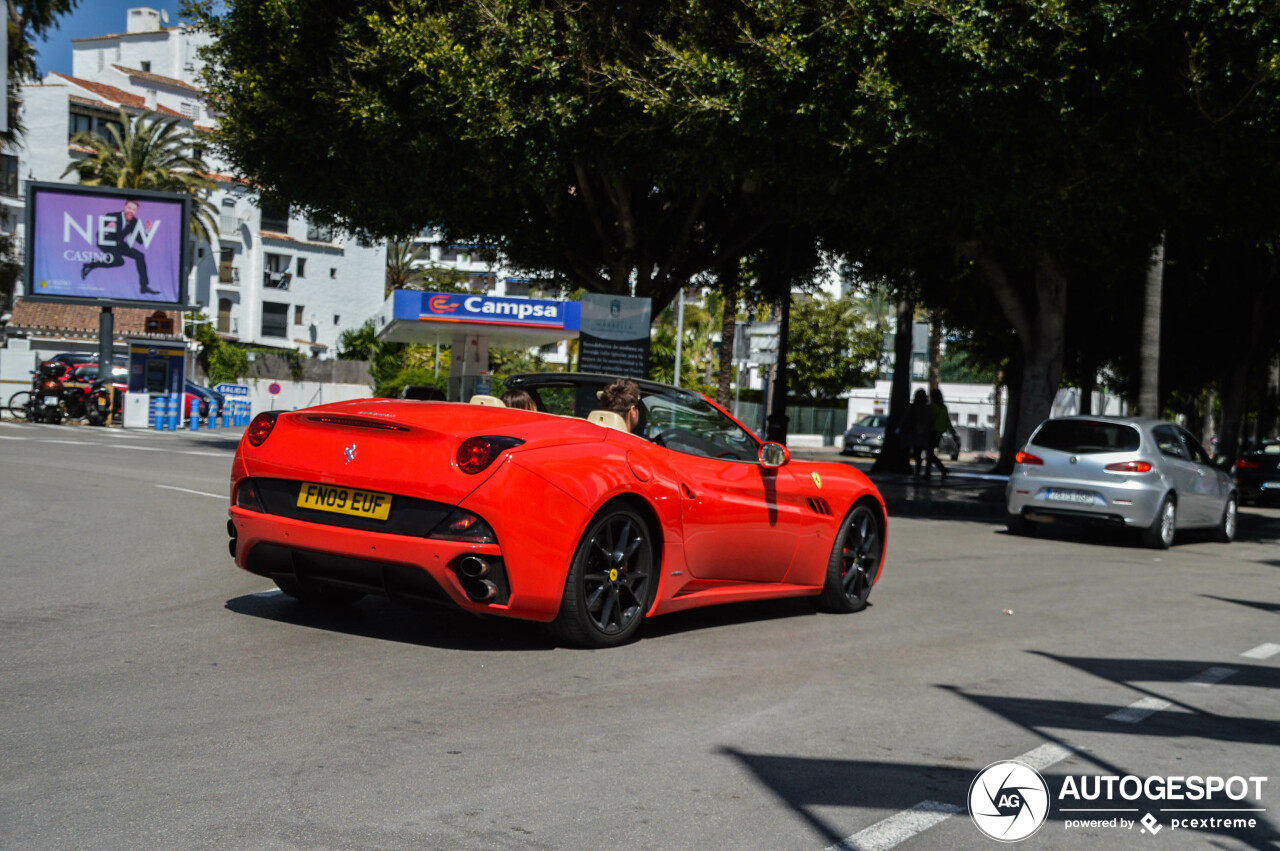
{"x":687,"y":491}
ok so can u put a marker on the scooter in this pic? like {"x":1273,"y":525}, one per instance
{"x":47,"y":394}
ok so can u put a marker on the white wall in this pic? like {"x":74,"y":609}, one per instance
{"x":300,"y":394}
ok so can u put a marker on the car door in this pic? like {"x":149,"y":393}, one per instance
{"x":741,"y":520}
{"x":1185,"y":475}
{"x":1212,"y":486}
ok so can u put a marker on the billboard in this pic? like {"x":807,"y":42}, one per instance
{"x":109,"y":247}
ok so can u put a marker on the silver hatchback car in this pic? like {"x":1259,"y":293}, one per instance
{"x":1142,"y":474}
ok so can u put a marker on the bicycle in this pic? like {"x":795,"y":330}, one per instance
{"x":20,"y":405}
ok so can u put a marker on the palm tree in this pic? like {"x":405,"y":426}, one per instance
{"x":151,"y":152}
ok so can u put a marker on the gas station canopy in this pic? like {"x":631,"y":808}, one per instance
{"x":411,"y":316}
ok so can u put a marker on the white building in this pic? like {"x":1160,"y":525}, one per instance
{"x":272,"y":279}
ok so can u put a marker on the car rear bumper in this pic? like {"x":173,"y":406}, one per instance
{"x":1127,"y":502}
{"x":406,"y":569}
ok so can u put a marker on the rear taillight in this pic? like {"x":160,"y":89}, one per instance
{"x":248,"y":497}
{"x":260,"y":429}
{"x":1129,"y":467}
{"x":462,"y":525}
{"x":477,"y":453}
{"x":1027,"y":458}
{"x":1246,"y":464}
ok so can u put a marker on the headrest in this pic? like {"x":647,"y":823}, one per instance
{"x":608,"y":419}
{"x":491,"y":401}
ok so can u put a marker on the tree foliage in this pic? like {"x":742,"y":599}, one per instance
{"x":833,"y":346}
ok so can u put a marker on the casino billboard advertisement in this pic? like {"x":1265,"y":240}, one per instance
{"x":108,"y":247}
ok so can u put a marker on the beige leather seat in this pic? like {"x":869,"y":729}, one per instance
{"x":491,"y":401}
{"x":608,"y":419}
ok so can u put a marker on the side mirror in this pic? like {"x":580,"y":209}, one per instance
{"x":774,"y":454}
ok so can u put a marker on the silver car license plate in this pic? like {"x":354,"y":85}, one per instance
{"x":1077,"y":497}
{"x":1271,"y":486}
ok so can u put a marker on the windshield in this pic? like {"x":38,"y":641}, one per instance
{"x":1086,"y":436}
{"x":872,"y":421}
{"x":689,"y":424}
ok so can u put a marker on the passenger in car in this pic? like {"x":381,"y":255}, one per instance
{"x":519,"y":399}
{"x":623,"y":398}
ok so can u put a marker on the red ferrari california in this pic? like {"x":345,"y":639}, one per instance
{"x":561,"y":515}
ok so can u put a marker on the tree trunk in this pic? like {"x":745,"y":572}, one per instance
{"x":1038,"y":316}
{"x":892,"y":458}
{"x":1235,"y":393}
{"x":935,"y":353}
{"x":1210,"y":420}
{"x":776,"y":426}
{"x":728,"y":328}
{"x":1009,"y":445}
{"x":1149,"y":355}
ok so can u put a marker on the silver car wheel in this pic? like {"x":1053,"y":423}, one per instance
{"x":1168,"y":522}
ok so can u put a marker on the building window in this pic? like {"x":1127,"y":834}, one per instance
{"x":105,"y":125}
{"x":297,"y":314}
{"x":333,"y":273}
{"x":319,"y":233}
{"x":227,"y":218}
{"x":275,"y":216}
{"x":227,"y":271}
{"x":277,"y":275}
{"x":146,"y":66}
{"x":275,"y":319}
{"x":9,"y":175}
{"x":302,"y":267}
{"x":77,"y":123}
{"x":337,"y":318}
{"x":224,"y":316}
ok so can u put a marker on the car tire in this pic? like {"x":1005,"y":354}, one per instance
{"x":317,"y":595}
{"x":1016,"y":524}
{"x":611,"y":582}
{"x":854,"y":562}
{"x":1225,"y":532}
{"x":1163,"y":527}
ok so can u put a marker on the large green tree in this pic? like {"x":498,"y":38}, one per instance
{"x":507,"y":122}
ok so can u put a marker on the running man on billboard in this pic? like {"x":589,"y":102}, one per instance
{"x":115,"y":242}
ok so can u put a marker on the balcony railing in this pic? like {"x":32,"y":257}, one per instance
{"x":228,"y":273}
{"x":227,"y":223}
{"x":277,"y":280}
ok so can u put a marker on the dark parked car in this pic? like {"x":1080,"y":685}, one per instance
{"x":1257,"y":473}
{"x":866,"y":436}
{"x":207,"y":398}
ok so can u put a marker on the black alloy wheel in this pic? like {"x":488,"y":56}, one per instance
{"x":611,"y":581}
{"x":854,"y":562}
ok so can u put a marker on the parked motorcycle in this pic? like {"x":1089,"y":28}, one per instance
{"x":47,"y":394}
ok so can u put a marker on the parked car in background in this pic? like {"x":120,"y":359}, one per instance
{"x":209,"y":399}
{"x":866,"y":436}
{"x":1257,"y":473}
{"x":1141,"y":474}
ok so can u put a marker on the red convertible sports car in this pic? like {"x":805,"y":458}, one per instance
{"x":558,"y":515}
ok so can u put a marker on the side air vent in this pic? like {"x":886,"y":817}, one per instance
{"x":819,"y":506}
{"x":354,"y":422}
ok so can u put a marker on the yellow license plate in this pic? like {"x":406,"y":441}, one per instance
{"x":375,"y":506}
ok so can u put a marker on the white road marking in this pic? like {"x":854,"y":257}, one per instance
{"x":188,"y":490}
{"x":67,"y":442}
{"x":1148,"y":706}
{"x":1142,"y":709}
{"x":139,"y":448}
{"x":7,"y":437}
{"x":209,"y":454}
{"x":1210,"y":676}
{"x":1262,"y":651}
{"x":900,"y":827}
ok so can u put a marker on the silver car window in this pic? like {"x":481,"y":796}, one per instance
{"x":1193,"y":446}
{"x":1086,"y":436}
{"x":1168,"y":442}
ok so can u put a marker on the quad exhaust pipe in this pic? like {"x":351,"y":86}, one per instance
{"x":472,"y":570}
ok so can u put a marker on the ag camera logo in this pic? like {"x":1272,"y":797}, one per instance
{"x":1008,"y":801}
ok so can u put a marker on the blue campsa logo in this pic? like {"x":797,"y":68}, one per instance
{"x":1008,"y":801}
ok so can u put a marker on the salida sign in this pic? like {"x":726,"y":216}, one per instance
{"x":106,"y":246}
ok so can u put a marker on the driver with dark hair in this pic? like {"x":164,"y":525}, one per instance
{"x":623,"y":398}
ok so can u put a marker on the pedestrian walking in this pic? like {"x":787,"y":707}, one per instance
{"x":914,"y":431}
{"x":940,"y":424}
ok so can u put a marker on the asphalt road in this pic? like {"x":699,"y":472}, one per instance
{"x":154,"y":696}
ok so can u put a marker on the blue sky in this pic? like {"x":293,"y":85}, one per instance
{"x":91,"y":17}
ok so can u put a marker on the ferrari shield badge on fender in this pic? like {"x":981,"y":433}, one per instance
{"x":817,"y":480}
{"x":350,"y":453}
